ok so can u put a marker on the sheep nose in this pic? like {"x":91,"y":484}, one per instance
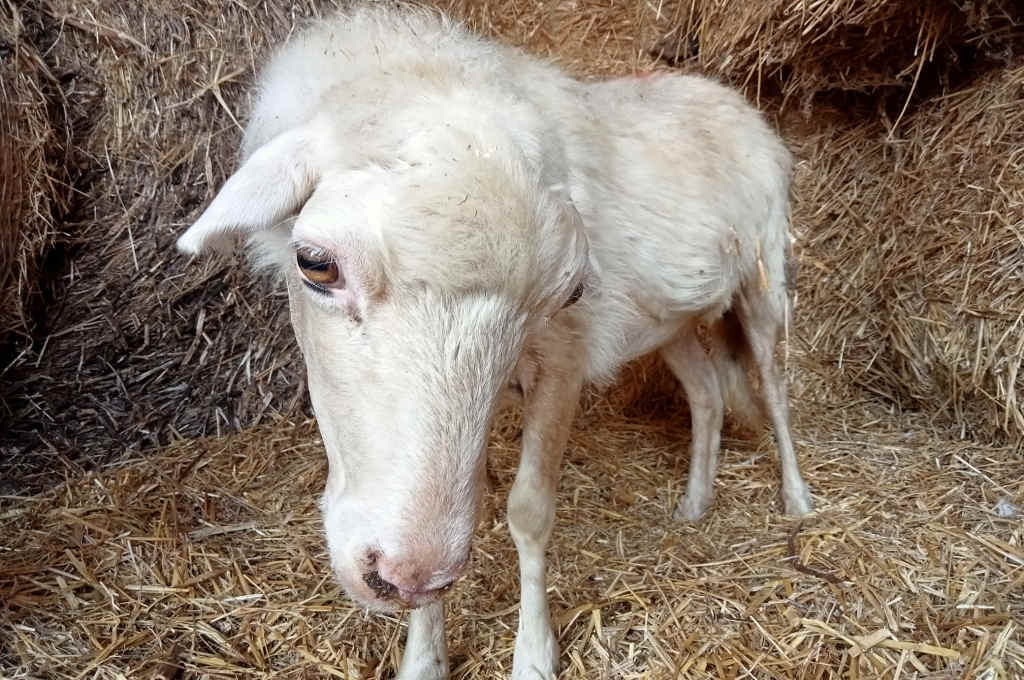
{"x":386,"y":590}
{"x":407,"y":580}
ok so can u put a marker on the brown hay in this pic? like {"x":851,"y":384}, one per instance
{"x":209,"y":555}
{"x":589,"y":38}
{"x":912,"y":248}
{"x":140,"y":346}
{"x":30,"y":189}
{"x":876,"y":46}
{"x":145,"y":345}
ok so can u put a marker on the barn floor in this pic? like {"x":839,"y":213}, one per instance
{"x":208,"y":556}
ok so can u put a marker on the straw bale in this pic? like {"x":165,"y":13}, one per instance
{"x":876,"y":46}
{"x":31,"y":191}
{"x":209,"y":555}
{"x":912,"y":244}
{"x":143,"y":345}
{"x":589,"y":38}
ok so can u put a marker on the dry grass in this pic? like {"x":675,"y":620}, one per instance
{"x":912,"y":246}
{"x":31,"y":191}
{"x":137,"y":346}
{"x":805,"y":47}
{"x":590,"y":38}
{"x":144,"y":345}
{"x":214,"y":549}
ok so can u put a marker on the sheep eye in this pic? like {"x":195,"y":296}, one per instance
{"x":318,"y":267}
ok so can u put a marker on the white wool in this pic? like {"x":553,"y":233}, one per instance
{"x":466,"y":191}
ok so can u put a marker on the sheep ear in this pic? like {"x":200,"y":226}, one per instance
{"x":271,"y":185}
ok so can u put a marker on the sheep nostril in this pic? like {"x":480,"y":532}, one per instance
{"x":378,"y":585}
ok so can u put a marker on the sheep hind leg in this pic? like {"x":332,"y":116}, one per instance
{"x":688,"y":362}
{"x":761,"y":328}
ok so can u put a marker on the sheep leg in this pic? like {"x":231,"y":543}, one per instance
{"x":549,"y":405}
{"x":761,"y":330}
{"x":426,"y":651}
{"x":688,"y":362}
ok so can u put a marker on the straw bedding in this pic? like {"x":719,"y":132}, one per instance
{"x":209,"y":556}
{"x":31,"y":190}
{"x":205,"y":554}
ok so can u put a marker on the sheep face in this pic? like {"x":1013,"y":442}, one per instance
{"x":413,"y":286}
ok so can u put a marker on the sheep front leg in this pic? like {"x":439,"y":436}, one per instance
{"x":426,"y":652}
{"x":548,"y":409}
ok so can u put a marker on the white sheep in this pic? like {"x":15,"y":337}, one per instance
{"x":453,"y":217}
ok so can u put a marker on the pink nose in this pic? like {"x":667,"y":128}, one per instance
{"x":410,"y":578}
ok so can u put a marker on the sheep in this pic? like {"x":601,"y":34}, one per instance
{"x":456,"y":220}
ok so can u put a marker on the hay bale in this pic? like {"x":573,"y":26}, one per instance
{"x":30,"y":191}
{"x":848,"y":45}
{"x":589,"y":38}
{"x":143,"y":346}
{"x":913,"y":248}
{"x":146,"y":346}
